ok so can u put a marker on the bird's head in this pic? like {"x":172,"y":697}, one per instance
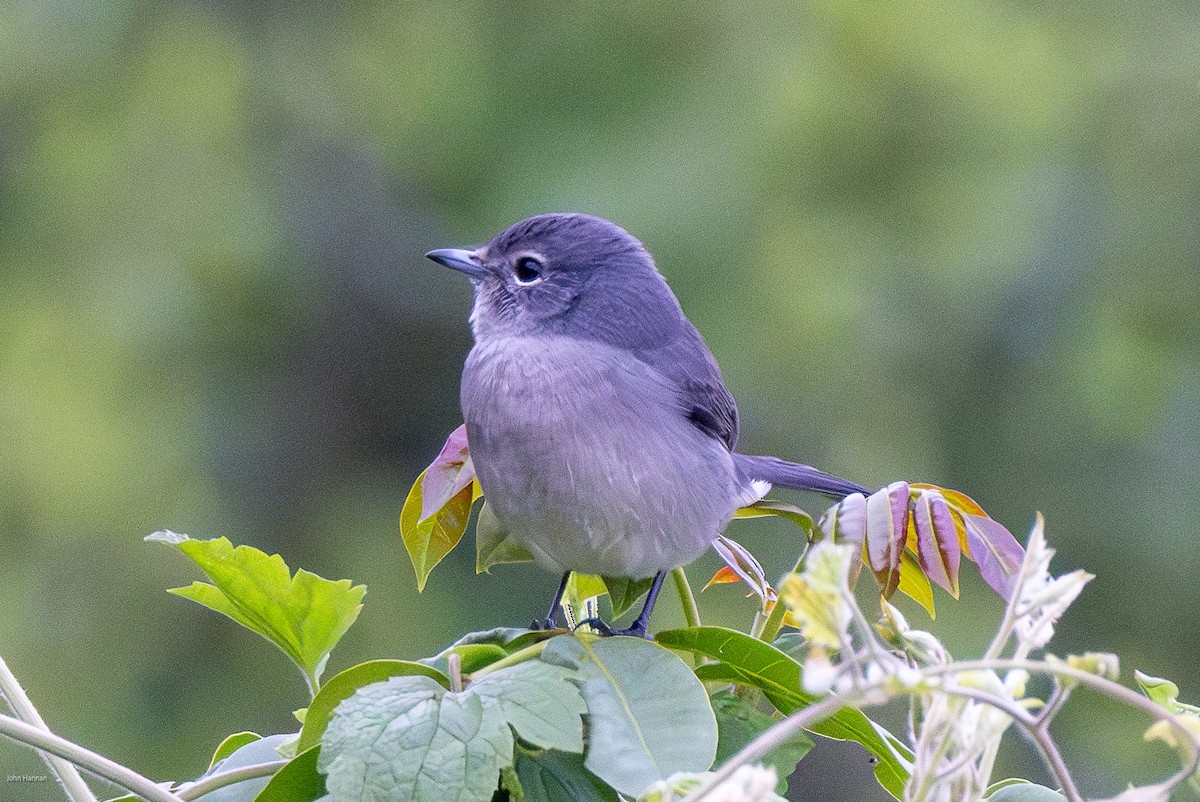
{"x":570,"y":274}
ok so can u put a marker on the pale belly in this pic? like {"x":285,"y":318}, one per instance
{"x":587,"y":460}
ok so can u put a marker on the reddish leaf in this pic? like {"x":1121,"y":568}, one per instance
{"x":937,"y":547}
{"x":996,"y":551}
{"x":447,"y":475}
{"x":887,"y":528}
{"x":724,"y":576}
{"x":430,"y":540}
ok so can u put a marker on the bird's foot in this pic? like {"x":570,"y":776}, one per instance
{"x":636,"y":630}
{"x":544,"y":624}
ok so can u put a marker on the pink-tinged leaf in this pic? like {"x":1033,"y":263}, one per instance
{"x":431,"y":539}
{"x":937,"y":546}
{"x":742,"y":563}
{"x":447,"y":475}
{"x":887,"y":530}
{"x":996,"y":551}
{"x":846,"y":521}
{"x":955,"y":499}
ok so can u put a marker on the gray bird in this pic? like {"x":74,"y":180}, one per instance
{"x":599,"y":427}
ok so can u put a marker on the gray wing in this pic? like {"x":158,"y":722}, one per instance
{"x":703,"y":397}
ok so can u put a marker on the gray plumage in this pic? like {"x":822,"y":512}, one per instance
{"x":598,"y":423}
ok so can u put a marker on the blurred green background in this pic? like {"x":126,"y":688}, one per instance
{"x":955,"y":242}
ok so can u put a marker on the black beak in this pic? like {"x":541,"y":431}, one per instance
{"x":460,"y":260}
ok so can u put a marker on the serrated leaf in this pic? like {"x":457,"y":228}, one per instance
{"x":550,"y":776}
{"x":739,"y":722}
{"x":623,"y":592}
{"x":493,"y":546}
{"x":748,"y":661}
{"x":449,"y":473}
{"x":540,"y":703}
{"x":298,"y":781}
{"x":407,"y":739}
{"x":231,"y":744}
{"x":933,"y":536}
{"x":429,"y":540}
{"x":343,"y":685}
{"x":640,"y":699}
{"x":304,"y":615}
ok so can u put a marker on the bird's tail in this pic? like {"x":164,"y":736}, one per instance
{"x":795,"y":476}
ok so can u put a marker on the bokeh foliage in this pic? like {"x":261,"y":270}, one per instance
{"x":932,"y":241}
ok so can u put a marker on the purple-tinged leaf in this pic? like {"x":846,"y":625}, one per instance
{"x":996,"y":551}
{"x":447,"y":475}
{"x":937,"y":547}
{"x":742,"y":563}
{"x":846,"y":521}
{"x":887,"y":531}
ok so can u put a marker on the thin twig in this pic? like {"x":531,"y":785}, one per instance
{"x":221,"y":779}
{"x":72,"y":782}
{"x":99,"y":765}
{"x":691,"y":612}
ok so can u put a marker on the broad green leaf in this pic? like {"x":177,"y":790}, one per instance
{"x":739,"y":722}
{"x":748,"y":661}
{"x":448,"y":474}
{"x":1023,"y":791}
{"x":648,"y":715}
{"x":492,"y":543}
{"x":298,"y":781}
{"x":623,"y":593}
{"x":550,"y":776}
{"x":428,"y":541}
{"x":263,"y":750}
{"x":914,"y":584}
{"x":478,"y":649}
{"x":342,"y":686}
{"x":408,"y":739}
{"x":304,"y":615}
{"x":232,"y":744}
{"x":540,"y":703}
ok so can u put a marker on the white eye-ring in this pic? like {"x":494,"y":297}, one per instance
{"x":527,"y":270}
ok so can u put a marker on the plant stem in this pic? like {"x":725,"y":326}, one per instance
{"x":72,"y":782}
{"x":209,"y":784}
{"x":519,"y":656}
{"x":691,"y":613}
{"x":126,"y":778}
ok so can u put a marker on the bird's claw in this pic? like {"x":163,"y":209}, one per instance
{"x":636,"y":630}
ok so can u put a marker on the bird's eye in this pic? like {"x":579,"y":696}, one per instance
{"x":527,"y":270}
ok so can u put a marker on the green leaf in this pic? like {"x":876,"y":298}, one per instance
{"x":304,"y":615}
{"x":492,"y":543}
{"x":914,"y":583}
{"x":1022,"y":791}
{"x":1164,"y":693}
{"x":232,"y":744}
{"x":298,"y":781}
{"x":407,"y":738}
{"x":262,"y":750}
{"x":739,"y":722}
{"x":748,"y":661}
{"x":429,"y":540}
{"x":623,"y":593}
{"x":342,"y":686}
{"x":581,"y":587}
{"x":778,"y":509}
{"x":648,"y":715}
{"x":550,"y":776}
{"x":540,"y":703}
{"x":479,"y":649}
